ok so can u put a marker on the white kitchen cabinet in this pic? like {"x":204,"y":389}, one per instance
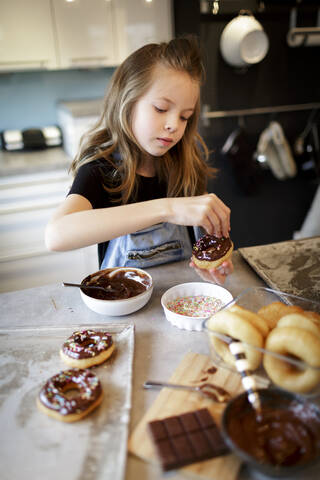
{"x":26,"y":35}
{"x":61,"y":34}
{"x":85,"y":33}
{"x":140,"y":22}
{"x":26,"y":205}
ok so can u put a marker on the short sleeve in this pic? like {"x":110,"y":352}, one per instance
{"x":89,"y":182}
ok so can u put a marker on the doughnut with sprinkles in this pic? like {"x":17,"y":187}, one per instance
{"x":86,"y":348}
{"x":70,"y":395}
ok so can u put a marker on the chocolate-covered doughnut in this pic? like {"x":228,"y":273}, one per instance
{"x":86,"y":348}
{"x":55,"y":401}
{"x":211,"y":251}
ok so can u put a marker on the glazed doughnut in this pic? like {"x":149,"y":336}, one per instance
{"x":275,"y":310}
{"x":238,"y":328}
{"x":86,"y":348}
{"x":300,"y":321}
{"x":300,"y":344}
{"x":210,"y":252}
{"x":253,"y":318}
{"x":54,"y":401}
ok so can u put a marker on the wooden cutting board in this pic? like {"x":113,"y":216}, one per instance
{"x":194,"y":369}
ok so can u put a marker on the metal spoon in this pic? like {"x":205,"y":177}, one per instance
{"x":208,"y":390}
{"x":80,"y":285}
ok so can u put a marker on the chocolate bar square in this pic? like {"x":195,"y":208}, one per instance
{"x":187,"y":438}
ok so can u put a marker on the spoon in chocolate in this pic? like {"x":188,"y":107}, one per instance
{"x":208,"y":390}
{"x":108,"y":289}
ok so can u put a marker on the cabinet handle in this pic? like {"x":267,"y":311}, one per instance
{"x":29,"y":208}
{"x":20,"y":256}
{"x":88,"y":59}
{"x":24,"y":64}
{"x":28,"y":183}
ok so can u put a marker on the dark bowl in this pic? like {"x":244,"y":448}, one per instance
{"x":239,"y":415}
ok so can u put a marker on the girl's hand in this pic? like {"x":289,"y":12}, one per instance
{"x":206,"y":211}
{"x":216,"y":275}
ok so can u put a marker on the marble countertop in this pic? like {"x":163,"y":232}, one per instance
{"x":28,"y":162}
{"x":159,"y":346}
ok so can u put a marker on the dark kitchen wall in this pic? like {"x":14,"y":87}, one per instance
{"x":264,"y":209}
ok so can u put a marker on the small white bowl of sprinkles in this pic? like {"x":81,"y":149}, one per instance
{"x":187,"y":305}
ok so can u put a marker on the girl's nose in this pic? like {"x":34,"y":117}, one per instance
{"x":171,"y":126}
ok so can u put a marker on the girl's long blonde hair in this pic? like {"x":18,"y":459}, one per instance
{"x":184,"y":167}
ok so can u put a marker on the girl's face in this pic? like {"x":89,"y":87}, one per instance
{"x":161,"y":115}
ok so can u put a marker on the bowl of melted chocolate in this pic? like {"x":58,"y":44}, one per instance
{"x":283,"y":440}
{"x":124,"y":290}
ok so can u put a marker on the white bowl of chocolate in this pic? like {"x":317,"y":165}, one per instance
{"x":210,"y":251}
{"x":125,"y":290}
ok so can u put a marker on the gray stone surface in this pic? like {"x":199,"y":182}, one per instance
{"x":159,"y":346}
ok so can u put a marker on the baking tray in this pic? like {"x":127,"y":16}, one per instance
{"x":292,"y":267}
{"x":36,"y":446}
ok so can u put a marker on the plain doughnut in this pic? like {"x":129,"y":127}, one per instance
{"x":275,"y":310}
{"x":238,"y":328}
{"x":255,"y":319}
{"x":313,"y":315}
{"x":300,"y":321}
{"x":86,"y":348}
{"x":300,"y":344}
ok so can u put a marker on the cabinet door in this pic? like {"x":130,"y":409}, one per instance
{"x":26,"y":205}
{"x":26,"y":35}
{"x":140,"y":22}
{"x":84,"y":33}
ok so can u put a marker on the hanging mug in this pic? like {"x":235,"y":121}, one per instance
{"x":243,"y":41}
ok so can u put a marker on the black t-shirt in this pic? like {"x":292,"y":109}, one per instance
{"x":89,"y":183}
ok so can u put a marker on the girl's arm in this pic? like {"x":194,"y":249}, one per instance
{"x":75,"y":224}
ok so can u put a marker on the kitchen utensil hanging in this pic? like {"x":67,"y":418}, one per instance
{"x":303,"y":36}
{"x":275,"y":150}
{"x":243,"y":41}
{"x":307,"y":147}
{"x":239,"y":151}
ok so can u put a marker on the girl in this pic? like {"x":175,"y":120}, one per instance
{"x":141,"y":172}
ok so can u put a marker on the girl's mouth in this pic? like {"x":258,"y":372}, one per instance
{"x":165,"y":141}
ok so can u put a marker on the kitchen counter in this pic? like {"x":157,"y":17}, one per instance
{"x":159,"y":346}
{"x":36,"y":161}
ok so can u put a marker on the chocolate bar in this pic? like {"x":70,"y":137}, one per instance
{"x":187,"y":438}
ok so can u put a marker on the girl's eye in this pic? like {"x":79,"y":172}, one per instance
{"x":184,"y":119}
{"x":160,"y":110}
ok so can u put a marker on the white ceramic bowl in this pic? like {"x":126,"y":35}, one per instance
{"x":189,"y":290}
{"x":122,"y":306}
{"x":243,"y":41}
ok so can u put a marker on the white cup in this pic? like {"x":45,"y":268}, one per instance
{"x":243,"y":41}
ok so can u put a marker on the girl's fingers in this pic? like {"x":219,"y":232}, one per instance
{"x":216,"y":275}
{"x":220,"y":216}
{"x":214,"y":225}
{"x":226,"y":267}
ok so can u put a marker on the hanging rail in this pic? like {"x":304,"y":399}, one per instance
{"x":206,"y":114}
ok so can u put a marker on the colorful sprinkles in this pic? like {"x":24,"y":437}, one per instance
{"x":86,"y":385}
{"x":195,"y":306}
{"x":86,"y":344}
